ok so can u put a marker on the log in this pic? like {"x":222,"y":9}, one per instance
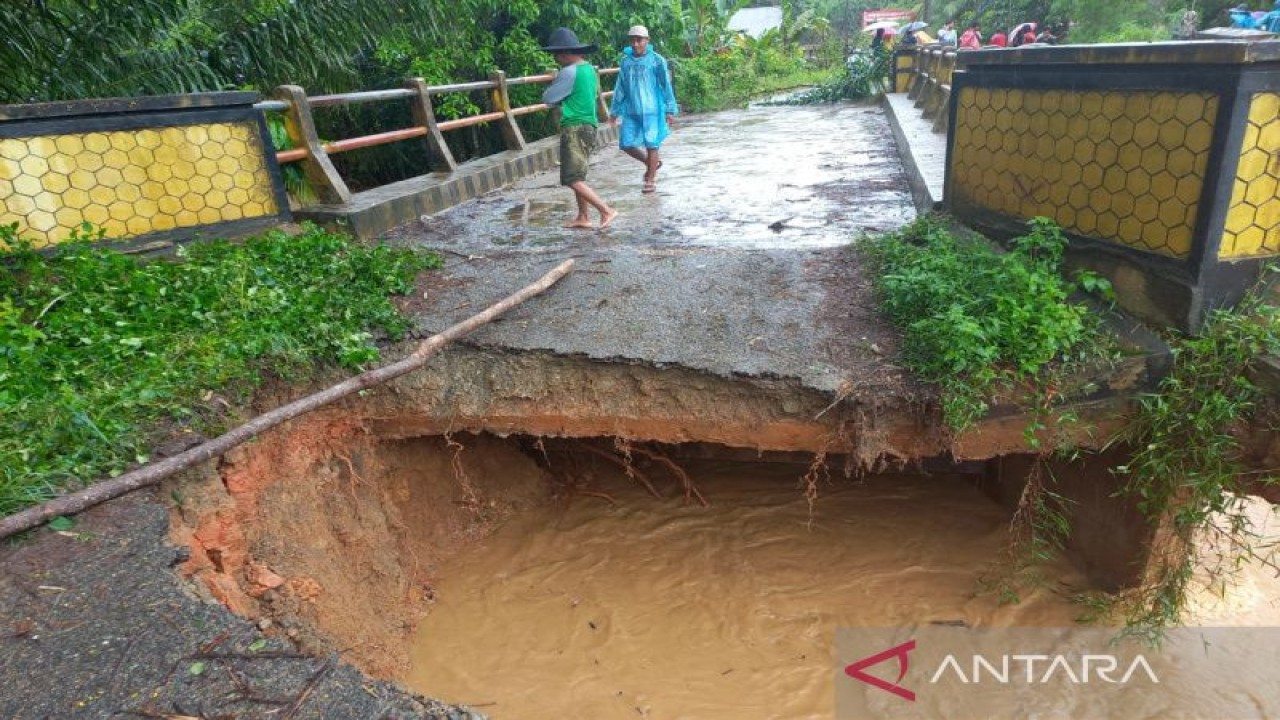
{"x":155,"y":472}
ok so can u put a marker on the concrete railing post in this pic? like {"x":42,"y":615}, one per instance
{"x":425,"y":116}
{"x":501,"y":102}
{"x":301,"y":127}
{"x":919,"y":74}
{"x":933,"y":93}
{"x":602,"y":108}
{"x":942,"y":120}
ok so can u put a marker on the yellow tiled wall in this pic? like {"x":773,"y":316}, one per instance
{"x":134,"y":182}
{"x":1253,"y":219}
{"x":1125,"y":166}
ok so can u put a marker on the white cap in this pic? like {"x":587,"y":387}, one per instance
{"x":638,"y":31}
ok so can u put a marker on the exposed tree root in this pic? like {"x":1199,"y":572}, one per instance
{"x":596,"y":493}
{"x":472,"y":498}
{"x":690,"y":490}
{"x":817,"y":470}
{"x":625,"y":463}
{"x":574,"y":476}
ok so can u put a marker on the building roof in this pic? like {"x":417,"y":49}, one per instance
{"x":756,"y":21}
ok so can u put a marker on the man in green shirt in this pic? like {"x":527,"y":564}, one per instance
{"x":574,"y":91}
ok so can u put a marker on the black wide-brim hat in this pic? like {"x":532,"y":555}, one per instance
{"x":565,"y":40}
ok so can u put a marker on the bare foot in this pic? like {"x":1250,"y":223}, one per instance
{"x":579,"y":224}
{"x":607,"y":218}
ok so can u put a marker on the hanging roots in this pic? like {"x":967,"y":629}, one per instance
{"x":690,"y":490}
{"x":817,"y":470}
{"x":472,"y":498}
{"x":624,"y":455}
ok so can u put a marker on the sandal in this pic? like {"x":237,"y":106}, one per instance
{"x":649,"y":186}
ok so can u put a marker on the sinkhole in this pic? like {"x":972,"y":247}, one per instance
{"x":535,"y":536}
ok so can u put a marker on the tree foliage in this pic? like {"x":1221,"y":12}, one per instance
{"x":65,"y":49}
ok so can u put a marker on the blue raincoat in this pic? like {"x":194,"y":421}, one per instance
{"x":642,"y":98}
{"x":1271,"y":21}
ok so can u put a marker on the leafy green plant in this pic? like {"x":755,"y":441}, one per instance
{"x":1186,"y":473}
{"x":295,"y":181}
{"x":866,"y":73}
{"x":97,"y":348}
{"x":977,"y":321}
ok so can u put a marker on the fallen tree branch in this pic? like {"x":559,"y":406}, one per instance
{"x":155,"y":472}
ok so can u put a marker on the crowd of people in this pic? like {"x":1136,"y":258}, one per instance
{"x":1024,"y":34}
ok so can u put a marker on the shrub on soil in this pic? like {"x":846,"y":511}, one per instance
{"x":976,"y":320}
{"x":98,"y":349}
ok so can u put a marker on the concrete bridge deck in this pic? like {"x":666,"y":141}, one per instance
{"x":740,"y":263}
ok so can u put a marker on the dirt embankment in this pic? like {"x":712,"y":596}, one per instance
{"x":332,"y":535}
{"x":330,"y":528}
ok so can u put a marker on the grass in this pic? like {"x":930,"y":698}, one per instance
{"x":718,"y":82}
{"x":1186,"y":473}
{"x":976,"y":321}
{"x":100,"y":350}
{"x":865,"y":74}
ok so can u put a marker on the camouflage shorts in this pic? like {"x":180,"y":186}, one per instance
{"x":576,"y":144}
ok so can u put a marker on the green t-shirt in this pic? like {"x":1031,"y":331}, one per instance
{"x":579,"y":108}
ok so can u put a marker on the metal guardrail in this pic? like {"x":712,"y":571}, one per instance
{"x":314,"y":155}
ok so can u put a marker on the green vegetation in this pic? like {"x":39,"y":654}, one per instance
{"x":66,"y":49}
{"x":866,"y":74}
{"x":1187,"y":473}
{"x":99,"y":349}
{"x":740,"y":74}
{"x":977,"y":321}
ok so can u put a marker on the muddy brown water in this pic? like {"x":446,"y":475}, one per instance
{"x":631,"y":607}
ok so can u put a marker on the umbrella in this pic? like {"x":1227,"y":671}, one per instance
{"x":917,"y":25}
{"x":1017,"y":31}
{"x":888,"y":26}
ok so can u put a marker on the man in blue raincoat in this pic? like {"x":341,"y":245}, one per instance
{"x":1242,"y":18}
{"x":1271,"y":21}
{"x":644,"y":102}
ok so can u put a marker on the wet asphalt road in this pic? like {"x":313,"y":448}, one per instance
{"x":740,"y":263}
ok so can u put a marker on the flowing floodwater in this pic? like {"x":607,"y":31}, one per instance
{"x":656,"y":609}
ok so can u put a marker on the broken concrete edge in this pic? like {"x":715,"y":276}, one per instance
{"x":375,"y":211}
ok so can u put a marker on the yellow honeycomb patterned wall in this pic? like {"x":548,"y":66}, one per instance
{"x":1253,"y":219}
{"x":133,"y":182}
{"x":1124,"y":166}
